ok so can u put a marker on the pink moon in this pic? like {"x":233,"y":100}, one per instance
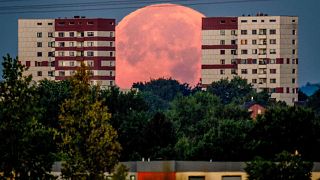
{"x":162,"y":40}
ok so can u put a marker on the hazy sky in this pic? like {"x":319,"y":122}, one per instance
{"x":307,"y":10}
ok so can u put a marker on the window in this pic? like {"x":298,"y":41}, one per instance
{"x":254,"y":61}
{"x":273,"y":71}
{"x":244,"y":21}
{"x":233,"y":42}
{"x":272,"y":61}
{"x":196,"y":178}
{"x":262,"y":20}
{"x":254,"y":20}
{"x":293,"y":41}
{"x":71,"y":23}
{"x":62,"y":73}
{"x":243,"y":61}
{"x":261,"y":61}
{"x":222,"y":32}
{"x":262,"y":31}
{"x":244,"y":51}
{"x":90,"y":23}
{"x":222,"y":42}
{"x":273,"y":41}
{"x":71,"y":34}
{"x":244,"y":32}
{"x":132,"y":177}
{"x":222,"y":71}
{"x":231,"y":177}
{"x":233,"y":61}
{"x":89,"y":44}
{"x":50,"y":24}
{"x":39,"y":54}
{"x":233,"y":32}
{"x":272,"y":31}
{"x":71,"y":44}
{"x":50,"y":44}
{"x":50,"y":73}
{"x":262,"y":51}
{"x":244,"y":42}
{"x":293,"y":20}
{"x":71,"y":53}
{"x":60,"y":53}
{"x":254,"y":71}
{"x":272,"y":51}
{"x":272,"y":81}
{"x":111,"y":44}
{"x":39,"y":34}
{"x":61,"y":34}
{"x":50,"y":34}
{"x":111,"y":34}
{"x":90,"y":53}
{"x":254,"y":41}
{"x":61,"y":44}
{"x":39,"y":73}
{"x":50,"y":54}
{"x":71,"y":64}
{"x":111,"y":54}
{"x":293,"y":61}
{"x":244,"y":71}
{"x":254,"y":51}
{"x":293,"y":80}
{"x":272,"y":20}
{"x":294,"y":32}
{"x":262,"y":80}
{"x":254,"y":81}
{"x":52,"y":64}
{"x":72,"y":73}
{"x":233,"y":71}
{"x":39,"y":44}
{"x":36,"y":63}
{"x":222,"y":61}
{"x":90,"y":63}
{"x":90,"y":34}
{"x":254,"y":31}
{"x":222,"y":51}
{"x":234,"y":52}
{"x":293,"y":71}
{"x":293,"y":51}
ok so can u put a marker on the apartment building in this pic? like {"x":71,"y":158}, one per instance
{"x":262,"y":49}
{"x":54,"y":48}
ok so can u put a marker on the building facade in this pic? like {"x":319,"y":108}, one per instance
{"x":262,"y":49}
{"x":54,"y":48}
{"x":185,"y":170}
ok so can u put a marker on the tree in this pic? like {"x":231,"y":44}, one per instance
{"x":129,"y":117}
{"x":285,"y":166}
{"x":302,"y":97}
{"x":159,"y":137}
{"x":52,"y":95}
{"x":237,"y":89}
{"x":162,"y":89}
{"x":314,"y":102}
{"x":286,"y":128}
{"x":88,"y":140}
{"x":196,"y":119}
{"x":121,"y":172}
{"x":26,"y":148}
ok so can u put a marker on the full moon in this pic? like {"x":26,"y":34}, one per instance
{"x":162,"y":40}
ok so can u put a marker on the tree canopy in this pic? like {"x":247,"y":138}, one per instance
{"x":26,"y":144}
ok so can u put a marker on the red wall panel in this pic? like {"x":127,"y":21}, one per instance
{"x":156,"y":175}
